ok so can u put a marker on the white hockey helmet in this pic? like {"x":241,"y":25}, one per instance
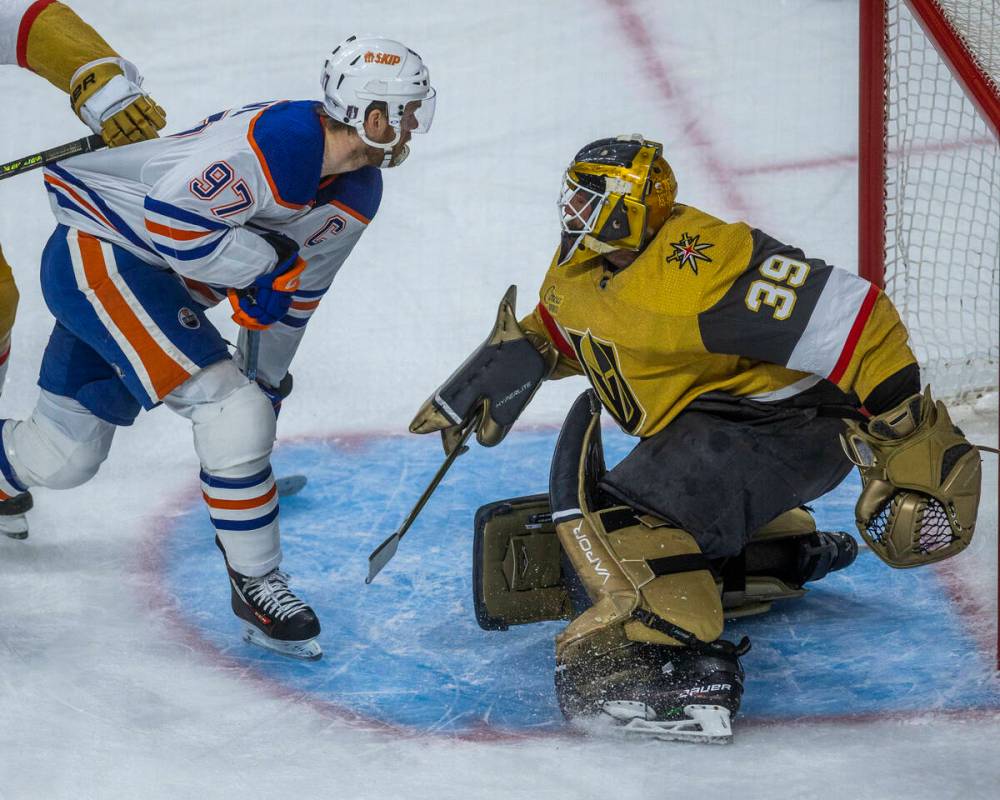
{"x":367,"y":69}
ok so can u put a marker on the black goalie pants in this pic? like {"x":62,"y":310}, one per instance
{"x":724,"y":468}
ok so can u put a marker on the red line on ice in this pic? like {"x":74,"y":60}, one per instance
{"x":162,"y":602}
{"x":683,"y":104}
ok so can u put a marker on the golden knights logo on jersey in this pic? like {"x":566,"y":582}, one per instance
{"x":599,"y":360}
{"x":689,"y":251}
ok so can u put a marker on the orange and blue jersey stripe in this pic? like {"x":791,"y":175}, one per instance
{"x":74,"y":195}
{"x":304,"y":303}
{"x":287,"y":139}
{"x":358,"y":194}
{"x":182,"y":234}
{"x":159,"y":365}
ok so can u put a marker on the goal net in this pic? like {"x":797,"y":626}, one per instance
{"x":930,"y":181}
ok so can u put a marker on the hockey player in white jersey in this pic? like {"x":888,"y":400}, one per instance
{"x":259,"y":205}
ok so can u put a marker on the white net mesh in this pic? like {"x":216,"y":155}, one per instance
{"x":942,"y":266}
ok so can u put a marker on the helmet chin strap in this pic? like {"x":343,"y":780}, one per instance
{"x":389,"y":159}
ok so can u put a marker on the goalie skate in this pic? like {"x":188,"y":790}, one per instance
{"x":656,"y":692}
{"x":704,"y":724}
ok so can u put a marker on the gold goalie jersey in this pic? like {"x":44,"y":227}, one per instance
{"x":715,"y":306}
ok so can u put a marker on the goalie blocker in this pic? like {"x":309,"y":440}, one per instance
{"x":642,"y":653}
{"x":499,"y":378}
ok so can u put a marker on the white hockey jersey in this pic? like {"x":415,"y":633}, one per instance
{"x":190,"y":203}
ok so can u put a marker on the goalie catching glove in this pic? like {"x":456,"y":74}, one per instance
{"x":922,"y":480}
{"x":499,"y":378}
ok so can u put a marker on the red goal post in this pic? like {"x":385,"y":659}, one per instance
{"x":929,"y":189}
{"x":929,"y":182}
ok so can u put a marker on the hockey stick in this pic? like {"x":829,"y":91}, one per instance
{"x":85,"y":145}
{"x":382,"y":554}
{"x":288,"y":485}
{"x":251,"y":356}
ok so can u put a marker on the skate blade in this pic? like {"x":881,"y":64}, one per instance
{"x":307,"y":650}
{"x":14,"y":527}
{"x":704,"y":724}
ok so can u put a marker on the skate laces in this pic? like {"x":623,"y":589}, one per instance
{"x":272,"y":594}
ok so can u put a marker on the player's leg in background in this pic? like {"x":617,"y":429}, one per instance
{"x":60,"y":446}
{"x":8,"y":310}
{"x":69,"y":433}
{"x":12,"y":507}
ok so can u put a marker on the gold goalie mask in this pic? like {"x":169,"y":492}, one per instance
{"x":616,"y":195}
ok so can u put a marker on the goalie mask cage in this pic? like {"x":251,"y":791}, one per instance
{"x":929,"y":182}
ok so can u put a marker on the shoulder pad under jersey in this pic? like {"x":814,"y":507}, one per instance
{"x":359,"y":193}
{"x":287,"y":139}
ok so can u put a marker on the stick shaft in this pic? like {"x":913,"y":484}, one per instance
{"x":382,"y":554}
{"x":252,"y":354}
{"x":438,"y":477}
{"x":75,"y":148}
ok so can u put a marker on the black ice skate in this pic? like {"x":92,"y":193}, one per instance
{"x":275,"y":618}
{"x":13,"y":523}
{"x":657,"y":692}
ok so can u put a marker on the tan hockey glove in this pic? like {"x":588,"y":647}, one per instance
{"x":500,"y":377}
{"x":107,"y":95}
{"x":921,"y":479}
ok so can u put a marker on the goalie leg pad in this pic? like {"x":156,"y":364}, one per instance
{"x":519,"y":575}
{"x":779,"y":559}
{"x":517,"y":572}
{"x":623,"y":564}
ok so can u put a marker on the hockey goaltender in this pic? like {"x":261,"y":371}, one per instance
{"x":755,"y":377}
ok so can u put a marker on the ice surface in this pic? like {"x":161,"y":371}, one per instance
{"x":108,"y":693}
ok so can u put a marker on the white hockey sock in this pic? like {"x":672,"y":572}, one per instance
{"x":10,"y":484}
{"x":233,"y":434}
{"x":244,"y":512}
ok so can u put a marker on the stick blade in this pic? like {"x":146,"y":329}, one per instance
{"x":381,"y":556}
{"x":290,"y":485}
